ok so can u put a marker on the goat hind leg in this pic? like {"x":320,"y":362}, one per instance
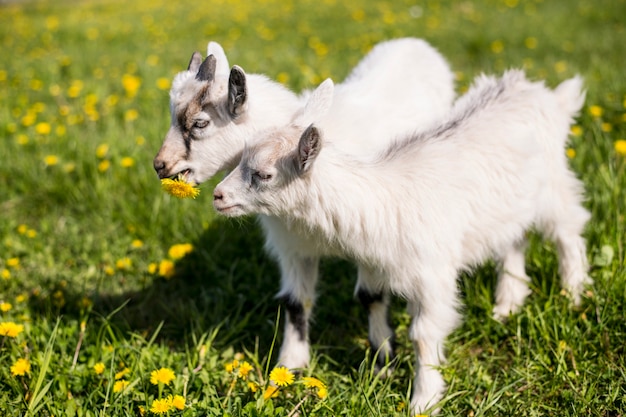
{"x":572,"y":249}
{"x":434,"y":317}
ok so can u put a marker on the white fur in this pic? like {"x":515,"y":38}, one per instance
{"x":430,"y":205}
{"x":399,"y":85}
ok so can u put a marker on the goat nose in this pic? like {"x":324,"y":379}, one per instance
{"x":159,"y":165}
{"x":217,"y":195}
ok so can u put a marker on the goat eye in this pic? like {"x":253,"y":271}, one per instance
{"x":200,"y":124}
{"x":261,"y":176}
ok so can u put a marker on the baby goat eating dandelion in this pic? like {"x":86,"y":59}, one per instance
{"x":430,"y":205}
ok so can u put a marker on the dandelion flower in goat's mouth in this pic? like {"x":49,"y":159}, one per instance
{"x":180,"y":188}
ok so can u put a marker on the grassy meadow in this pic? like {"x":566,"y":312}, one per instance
{"x":119,"y":300}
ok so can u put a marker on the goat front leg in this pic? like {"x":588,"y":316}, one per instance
{"x":297,"y":294}
{"x":376,"y":302}
{"x":434,"y":317}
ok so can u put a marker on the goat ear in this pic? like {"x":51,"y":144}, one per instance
{"x":206,"y":72}
{"x":319,"y":103}
{"x":217,"y":51}
{"x":237,"y":91}
{"x":308,"y":149}
{"x":194,"y":62}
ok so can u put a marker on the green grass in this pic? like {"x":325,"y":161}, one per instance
{"x":78,"y":237}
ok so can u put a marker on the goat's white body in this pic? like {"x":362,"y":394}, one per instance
{"x":438,"y":203}
{"x":399,"y":85}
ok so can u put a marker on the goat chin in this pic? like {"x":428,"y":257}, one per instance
{"x":426,"y":207}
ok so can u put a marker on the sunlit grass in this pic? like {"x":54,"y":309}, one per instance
{"x":146,"y":287}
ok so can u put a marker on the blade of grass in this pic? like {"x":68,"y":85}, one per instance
{"x":38,"y":392}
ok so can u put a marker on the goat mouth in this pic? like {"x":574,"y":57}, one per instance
{"x":182,"y":175}
{"x":228,"y":209}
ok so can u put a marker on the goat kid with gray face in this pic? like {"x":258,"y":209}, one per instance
{"x":400,"y":84}
{"x":431,"y":205}
{"x":213,"y":109}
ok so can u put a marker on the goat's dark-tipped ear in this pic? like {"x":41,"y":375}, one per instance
{"x":237,"y":91}
{"x":206,"y":72}
{"x":194,"y":62}
{"x":308,"y":148}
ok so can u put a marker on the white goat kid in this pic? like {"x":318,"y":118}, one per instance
{"x":430,"y":205}
{"x":399,"y":85}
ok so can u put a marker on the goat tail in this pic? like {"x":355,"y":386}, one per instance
{"x":570,"y":95}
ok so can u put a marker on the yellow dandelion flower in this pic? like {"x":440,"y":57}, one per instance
{"x":99,"y":368}
{"x":560,"y":66}
{"x":179,"y":188}
{"x":51,"y":160}
{"x":282,"y":77}
{"x":231,"y":367}
{"x":20,"y":367}
{"x":163,"y":83}
{"x":311,"y":382}
{"x":43,"y":128}
{"x":161,"y":406}
{"x":6,"y":274}
{"x":152,"y":268}
{"x":10,"y":329}
{"x":131,"y":114}
{"x":620,"y":146}
{"x":270,"y":392}
{"x":121,"y":374}
{"x":13,"y":263}
{"x":281,"y":376}
{"x":22,"y":139}
{"x":108,"y":270}
{"x":131,"y":84}
{"x":530,"y":42}
{"x":178,"y":401}
{"x":75,"y":88}
{"x":322,"y":393}
{"x":124,"y":263}
{"x":570,"y":152}
{"x":4,"y":307}
{"x":244,"y":369}
{"x":29,"y":119}
{"x":52,"y":23}
{"x":576,"y":130}
{"x":180,"y":250}
{"x":22,"y":228}
{"x":253,"y":386}
{"x":120,"y":385}
{"x":142,"y":410}
{"x":162,"y":376}
{"x":166,"y":268}
{"x":140,"y":140}
{"x":92,"y":33}
{"x":85,"y":302}
{"x":54,"y":90}
{"x":21,"y":298}
{"x":596,"y":111}
{"x":136,"y":244}
{"x":102,"y":150}
{"x":103,"y":166}
{"x":606,"y":127}
{"x":497,"y":46}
